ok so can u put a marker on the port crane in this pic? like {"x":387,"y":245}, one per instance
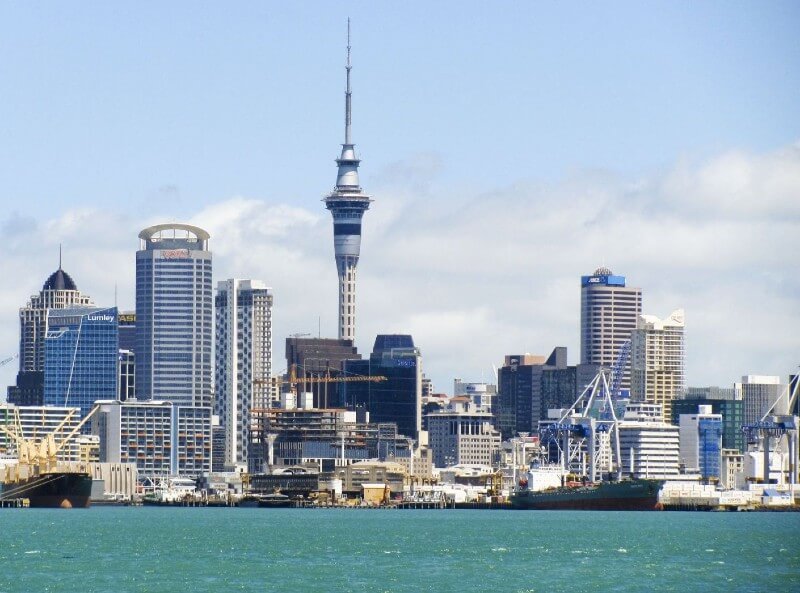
{"x":582,"y":431}
{"x":771,"y":427}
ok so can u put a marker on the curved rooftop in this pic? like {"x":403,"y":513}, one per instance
{"x":158,"y":230}
{"x":59,"y":280}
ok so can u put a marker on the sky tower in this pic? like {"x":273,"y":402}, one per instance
{"x":347,"y":203}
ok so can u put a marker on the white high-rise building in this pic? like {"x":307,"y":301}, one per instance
{"x":701,"y":442}
{"x":609,"y":311}
{"x":244,"y":359}
{"x":657,"y":354}
{"x":649,"y":447}
{"x":759,"y":393}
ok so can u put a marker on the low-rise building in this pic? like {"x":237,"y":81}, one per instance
{"x":649,"y":447}
{"x":462,"y":435}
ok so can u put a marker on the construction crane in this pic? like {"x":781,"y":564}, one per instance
{"x":293,"y":379}
{"x":7,"y":360}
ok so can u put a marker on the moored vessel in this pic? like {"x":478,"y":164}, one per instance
{"x":57,"y":489}
{"x":625,"y":495}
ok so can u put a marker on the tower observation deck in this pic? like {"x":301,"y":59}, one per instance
{"x":347,"y":203}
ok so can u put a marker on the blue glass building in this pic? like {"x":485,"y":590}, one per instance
{"x":398,"y":399}
{"x":81,"y":348}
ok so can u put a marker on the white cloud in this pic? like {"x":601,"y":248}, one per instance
{"x":478,"y":275}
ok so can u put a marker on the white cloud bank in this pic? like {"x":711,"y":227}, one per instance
{"x":475,"y":276}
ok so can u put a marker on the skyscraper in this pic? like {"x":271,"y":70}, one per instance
{"x":760,"y":394}
{"x":243,"y":353}
{"x":59,"y":292}
{"x":347,"y":203}
{"x":174,"y":315}
{"x":658,"y":361}
{"x":81,"y":351}
{"x":609,"y":310}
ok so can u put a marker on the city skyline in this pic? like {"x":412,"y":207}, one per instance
{"x":480,"y":237}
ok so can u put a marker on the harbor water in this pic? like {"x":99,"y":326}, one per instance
{"x":154,"y":549}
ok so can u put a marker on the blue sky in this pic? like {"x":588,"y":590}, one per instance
{"x":119,"y":115}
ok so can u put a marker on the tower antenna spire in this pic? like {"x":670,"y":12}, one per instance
{"x":59,"y":256}
{"x":348,"y":93}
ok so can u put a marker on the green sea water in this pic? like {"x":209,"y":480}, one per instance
{"x":153,"y":549}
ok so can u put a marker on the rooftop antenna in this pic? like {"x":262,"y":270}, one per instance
{"x":59,"y":256}
{"x":348,"y":93}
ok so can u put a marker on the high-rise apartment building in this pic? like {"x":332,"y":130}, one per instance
{"x":81,"y":352}
{"x":174,"y":309}
{"x":244,"y":359}
{"x":347,"y":203}
{"x":649,"y":447}
{"x":609,"y":310}
{"x":760,"y":393}
{"x":59,"y":292}
{"x":657,"y":355}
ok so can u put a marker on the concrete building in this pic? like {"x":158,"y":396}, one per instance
{"x":58,"y":292}
{"x":81,"y":357}
{"x":160,"y":438}
{"x":244,"y":359}
{"x":760,"y":393}
{"x":609,"y":310}
{"x":347,"y":204}
{"x":724,"y":401}
{"x":701,"y":443}
{"x":174,"y":323}
{"x":732,"y":470}
{"x":649,"y":447}
{"x":657,"y":354}
{"x":462,"y":434}
{"x":398,"y":399}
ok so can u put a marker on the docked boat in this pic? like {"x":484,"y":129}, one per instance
{"x":274,"y":501}
{"x":60,"y":489}
{"x":625,"y":495}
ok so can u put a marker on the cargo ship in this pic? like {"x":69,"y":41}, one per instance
{"x":626,"y":495}
{"x":59,"y":489}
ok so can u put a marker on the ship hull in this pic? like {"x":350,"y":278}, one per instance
{"x":633,"y":495}
{"x":55,"y":490}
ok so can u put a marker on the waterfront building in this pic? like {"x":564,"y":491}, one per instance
{"x":701,"y":443}
{"x":726,"y":402}
{"x":759,"y":394}
{"x":462,"y":434}
{"x":649,"y":447}
{"x":174,"y":315}
{"x":732,"y":469}
{"x":37,"y":423}
{"x":58,"y":292}
{"x":323,"y":438}
{"x":397,"y":399}
{"x":244,"y":359}
{"x":609,"y":310}
{"x":320,"y":358}
{"x":81,"y":357}
{"x":347,"y":204}
{"x":160,"y":438}
{"x":657,"y":353}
